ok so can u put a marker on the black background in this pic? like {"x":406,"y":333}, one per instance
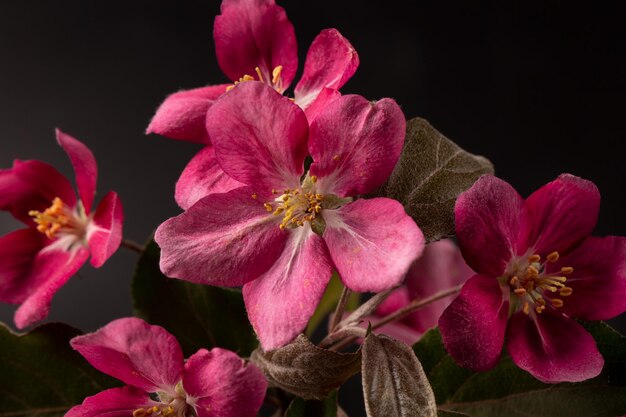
{"x":538,"y":88}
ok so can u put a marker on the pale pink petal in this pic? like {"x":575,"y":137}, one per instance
{"x":323,"y":99}
{"x":32,"y":185}
{"x":400,"y":331}
{"x":201,"y":177}
{"x":224,"y":239}
{"x":440,"y":268}
{"x":255,"y":33}
{"x":260,"y":137}
{"x":104,"y":233}
{"x":372,"y":243}
{"x":355,"y":144}
{"x":18,"y":251}
{"x":85,"y":167}
{"x":114,"y":402}
{"x":330,"y":63}
{"x":182,"y":115}
{"x":52,"y":268}
{"x":488,"y":220}
{"x":136,"y":353}
{"x":281,"y":301}
{"x":223,"y":384}
{"x":553,"y":348}
{"x":598,"y":280}
{"x":473,"y":326}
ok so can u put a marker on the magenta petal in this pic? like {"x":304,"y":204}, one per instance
{"x":473,"y":326}
{"x":18,"y":251}
{"x":598,"y":280}
{"x":355,"y":144}
{"x":85,"y":167}
{"x":372,"y":243}
{"x":330,"y":63}
{"x":562,"y":213}
{"x":182,"y":115}
{"x":488,"y":220}
{"x":260,"y":137}
{"x":105,"y":231}
{"x":224,"y":239}
{"x":224,"y":385}
{"x":553,"y":348}
{"x":136,"y":353}
{"x":114,"y":402}
{"x":50,"y":271}
{"x":202,"y":176}
{"x":281,"y":301}
{"x":255,"y":33}
{"x":324,"y":98}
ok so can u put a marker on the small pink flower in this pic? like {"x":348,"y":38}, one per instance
{"x":254,"y":40}
{"x":538,"y":269}
{"x":262,"y":235}
{"x":62,"y":231}
{"x":160,"y":382}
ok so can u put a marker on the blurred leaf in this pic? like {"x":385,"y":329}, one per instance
{"x":431,"y":173}
{"x":394,"y":384}
{"x":329,"y":302}
{"x":306,"y":370}
{"x":200,"y":316}
{"x":506,"y":390}
{"x":313,"y":408}
{"x":41,"y":375}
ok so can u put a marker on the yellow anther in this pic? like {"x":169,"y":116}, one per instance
{"x":314,"y":178}
{"x":514,"y":281}
{"x":566,"y":291}
{"x":268,"y":206}
{"x":534,"y":258}
{"x":258,"y":73}
{"x":140,"y":412}
{"x":566,"y":270}
{"x":539,"y":309}
{"x":553,"y":257}
{"x":540,"y":301}
{"x":526,"y":308}
{"x":254,"y":196}
{"x":276,"y":74}
{"x":532,"y":272}
{"x":520,"y":291}
{"x":52,"y":220}
{"x":336,"y":158}
{"x":557,"y":302}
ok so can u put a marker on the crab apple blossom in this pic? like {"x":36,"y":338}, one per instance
{"x":159,"y":382}
{"x":62,"y":231}
{"x":537,"y":270}
{"x":282,"y":232}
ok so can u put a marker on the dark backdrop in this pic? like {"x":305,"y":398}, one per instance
{"x":536,"y":87}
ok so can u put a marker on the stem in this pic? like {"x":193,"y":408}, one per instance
{"x":341,"y":307}
{"x":133,"y":246}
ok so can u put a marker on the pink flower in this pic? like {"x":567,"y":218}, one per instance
{"x":254,"y":40}
{"x":538,"y":269}
{"x":280,"y":234}
{"x":160,"y":382}
{"x":62,"y":231}
{"x":440,"y":267}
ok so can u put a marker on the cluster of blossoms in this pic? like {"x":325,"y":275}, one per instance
{"x":274,"y":204}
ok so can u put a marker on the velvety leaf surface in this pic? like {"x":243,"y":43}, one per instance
{"x":41,"y":375}
{"x":306,"y":370}
{"x":313,"y":408}
{"x":431,"y":173}
{"x":508,"y":391}
{"x":200,"y":316}
{"x":394,"y":383}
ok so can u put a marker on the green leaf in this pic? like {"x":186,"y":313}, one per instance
{"x":41,"y":375}
{"x":200,"y":316}
{"x":506,"y":390}
{"x":329,"y":302}
{"x":300,"y":407}
{"x":431,"y":173}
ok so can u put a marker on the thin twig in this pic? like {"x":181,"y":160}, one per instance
{"x":133,"y":246}
{"x":341,"y":307}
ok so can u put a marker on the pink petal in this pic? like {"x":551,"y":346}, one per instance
{"x":598,"y":280}
{"x":372,"y":243}
{"x":259,"y":137}
{"x":323,"y":99}
{"x":32,"y":185}
{"x":488,"y":220}
{"x":395,"y":301}
{"x":131,"y":350}
{"x":355,"y":144}
{"x":224,"y":239}
{"x":105,"y":231}
{"x":201,"y":177}
{"x":473,"y":326}
{"x":553,"y":348}
{"x":51,"y":269}
{"x":562,"y":213}
{"x":114,"y":402}
{"x":255,"y":33}
{"x":85,"y":167}
{"x":281,"y":301}
{"x":18,"y":251}
{"x":401,"y":332}
{"x":330,"y":63}
{"x":182,"y":115}
{"x":223,"y":384}
{"x":440,"y":268}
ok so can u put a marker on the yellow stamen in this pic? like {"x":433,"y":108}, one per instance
{"x":526,"y":308}
{"x":553,"y":257}
{"x":53,"y":219}
{"x":276,"y":74}
{"x":268,"y":206}
{"x":520,"y":291}
{"x":566,"y":291}
{"x":140,"y":412}
{"x":566,"y":270}
{"x":254,"y":196}
{"x":534,"y":258}
{"x":556,"y":302}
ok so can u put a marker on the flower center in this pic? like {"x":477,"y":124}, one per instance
{"x":276,"y":82}
{"x":58,"y":219}
{"x":171,"y":404}
{"x":536,"y":288}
